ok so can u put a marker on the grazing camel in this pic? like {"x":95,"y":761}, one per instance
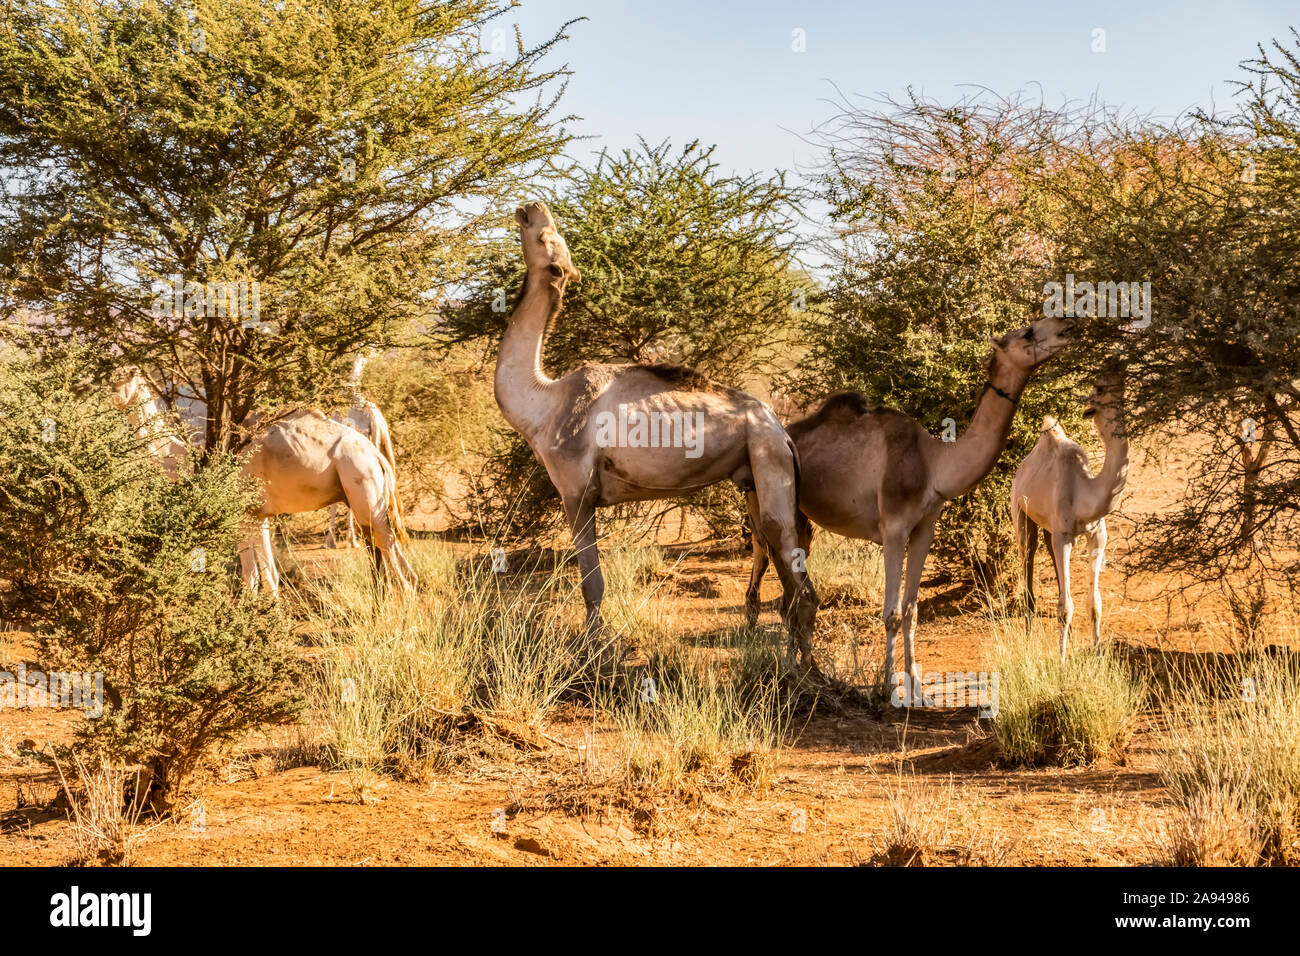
{"x":366,"y":418}
{"x":613,"y":433}
{"x":146,"y":414}
{"x":1054,"y":489}
{"x":876,"y":473}
{"x":307,"y":462}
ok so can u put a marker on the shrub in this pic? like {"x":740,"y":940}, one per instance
{"x":416,"y":684}
{"x":1062,"y":713}
{"x":121,"y":571}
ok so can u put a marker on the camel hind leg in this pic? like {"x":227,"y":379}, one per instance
{"x":772,"y":463}
{"x":368,"y":495}
{"x":352,"y":530}
{"x":1027,"y":543}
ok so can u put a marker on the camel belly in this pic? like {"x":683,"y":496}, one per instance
{"x":647,"y":474}
{"x":290,"y":486}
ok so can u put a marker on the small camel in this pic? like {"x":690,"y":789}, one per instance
{"x":146,"y":414}
{"x":875,"y":473}
{"x":306,"y":462}
{"x":1054,"y":489}
{"x":613,"y":433}
{"x":366,"y":418}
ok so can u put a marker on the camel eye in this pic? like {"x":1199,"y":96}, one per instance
{"x":1029,"y":333}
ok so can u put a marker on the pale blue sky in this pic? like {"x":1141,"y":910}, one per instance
{"x":725,"y":73}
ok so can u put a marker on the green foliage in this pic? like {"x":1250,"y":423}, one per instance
{"x":336,"y":156}
{"x":1062,"y":713}
{"x":938,"y":252}
{"x":121,"y":571}
{"x":679,"y":264}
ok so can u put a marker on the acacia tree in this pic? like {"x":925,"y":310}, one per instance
{"x":937,"y":247}
{"x":323,"y":165}
{"x":680,"y":263}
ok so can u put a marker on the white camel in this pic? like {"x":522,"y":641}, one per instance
{"x":365,"y":417}
{"x":1054,"y":489}
{"x":306,"y":462}
{"x":146,"y":413}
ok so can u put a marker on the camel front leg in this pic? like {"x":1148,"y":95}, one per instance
{"x":752,"y":602}
{"x":352,"y":530}
{"x":266,"y":557}
{"x":248,"y":561}
{"x":581,"y":515}
{"x":1062,"y":544}
{"x":895,"y":553}
{"x":918,"y":549}
{"x":1096,"y":562}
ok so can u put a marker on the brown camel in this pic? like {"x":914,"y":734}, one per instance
{"x":876,"y":473}
{"x":1054,"y":489}
{"x":613,"y":433}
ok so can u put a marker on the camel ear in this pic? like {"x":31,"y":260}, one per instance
{"x":998,"y":342}
{"x":521,"y":216}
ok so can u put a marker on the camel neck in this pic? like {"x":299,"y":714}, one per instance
{"x":1106,"y":488}
{"x":520,"y":382}
{"x":963,"y":464}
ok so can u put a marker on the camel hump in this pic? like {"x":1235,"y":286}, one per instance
{"x":842,"y":406}
{"x":1052,"y":427}
{"x":679,"y":376}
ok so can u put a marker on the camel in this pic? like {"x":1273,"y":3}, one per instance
{"x":613,"y":433}
{"x":366,"y":418}
{"x":146,"y":414}
{"x":306,"y":462}
{"x":875,"y":473}
{"x":1054,"y":489}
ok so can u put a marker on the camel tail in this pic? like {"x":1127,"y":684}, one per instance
{"x":384,"y":439}
{"x":802,"y":526}
{"x":394,"y":504}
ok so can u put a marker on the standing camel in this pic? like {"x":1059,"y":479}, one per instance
{"x":307,"y":462}
{"x":366,"y":418}
{"x":875,"y":473}
{"x":613,"y":433}
{"x":1054,"y":489}
{"x":304,"y":462}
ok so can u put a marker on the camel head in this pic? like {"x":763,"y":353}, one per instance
{"x":546,"y":254}
{"x":1107,"y":396}
{"x":1026,"y":349}
{"x":128,"y":387}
